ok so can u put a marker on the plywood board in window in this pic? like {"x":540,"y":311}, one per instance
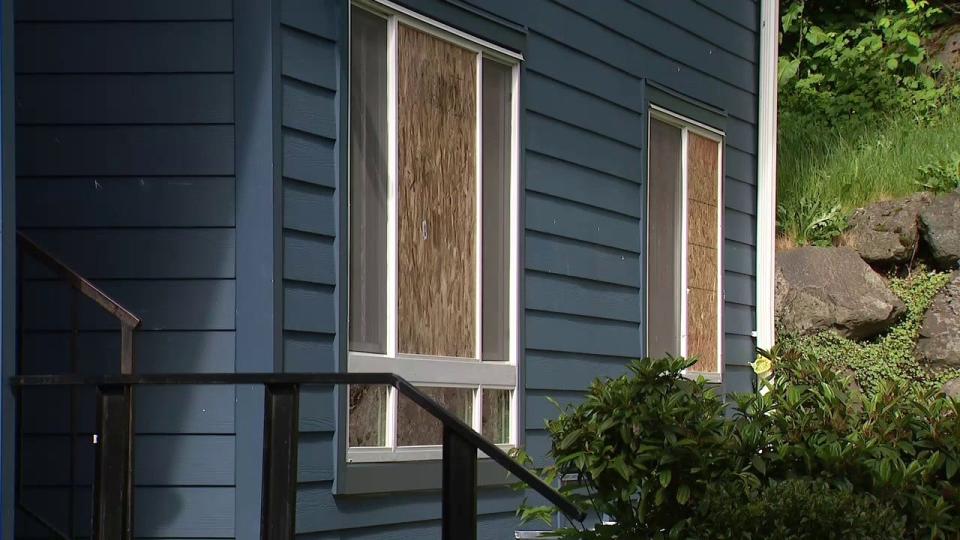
{"x":436,"y":274}
{"x":702,"y":223}
{"x":703,"y":228}
{"x":702,"y":268}
{"x":702,"y":334}
{"x":703,"y":168}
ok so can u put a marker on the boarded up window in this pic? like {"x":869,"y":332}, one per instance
{"x":437,"y":115}
{"x":703,"y":165}
{"x":683,"y":254}
{"x":432,"y":230}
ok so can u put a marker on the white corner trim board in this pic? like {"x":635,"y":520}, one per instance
{"x":767,"y":172}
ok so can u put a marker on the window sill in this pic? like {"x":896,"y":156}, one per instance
{"x":372,"y":478}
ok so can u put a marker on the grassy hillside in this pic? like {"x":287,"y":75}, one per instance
{"x":850,"y":165}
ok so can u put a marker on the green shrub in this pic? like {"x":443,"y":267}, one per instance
{"x":900,"y":443}
{"x":645,"y":448}
{"x":940,"y":176}
{"x":858,"y":68}
{"x":797,"y":509}
{"x":653,"y":449}
{"x":889,"y":357}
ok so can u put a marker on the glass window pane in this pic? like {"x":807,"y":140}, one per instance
{"x":703,"y":223}
{"x":663,"y":240}
{"x":497,"y":87}
{"x":368,"y":183}
{"x":416,"y":427}
{"x":367,"y":425}
{"x":436,"y":196}
{"x":496,"y":416}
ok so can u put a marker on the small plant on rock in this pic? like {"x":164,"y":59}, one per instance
{"x":941,"y":176}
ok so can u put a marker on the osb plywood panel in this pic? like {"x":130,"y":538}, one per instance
{"x":437,"y":118}
{"x":703,"y":167}
{"x":702,"y":332}
{"x":702,"y":268}
{"x":702,"y":221}
{"x":417,"y":427}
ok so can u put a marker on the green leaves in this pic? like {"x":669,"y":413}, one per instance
{"x":860,"y":65}
{"x":664,"y":457}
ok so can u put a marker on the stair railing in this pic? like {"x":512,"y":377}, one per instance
{"x":128,"y":322}
{"x":113,"y":478}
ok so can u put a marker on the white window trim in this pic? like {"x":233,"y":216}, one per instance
{"x":442,"y":371}
{"x":688,"y":125}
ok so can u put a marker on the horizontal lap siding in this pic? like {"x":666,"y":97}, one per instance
{"x":310,"y":49}
{"x":125,"y":151}
{"x":584,"y":119}
{"x":584,"y":195}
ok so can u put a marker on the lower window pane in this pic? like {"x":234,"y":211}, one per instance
{"x":496,"y":416}
{"x":416,"y":427}
{"x":368,"y":416}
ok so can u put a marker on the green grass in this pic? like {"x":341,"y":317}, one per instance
{"x":853,"y":165}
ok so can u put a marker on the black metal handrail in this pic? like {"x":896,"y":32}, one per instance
{"x":113,"y":480}
{"x":128,"y":321}
{"x":80,"y":286}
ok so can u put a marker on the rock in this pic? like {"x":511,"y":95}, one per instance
{"x":952,"y":389}
{"x":886,"y":232}
{"x":939,"y":342}
{"x":945,"y":49}
{"x":832,"y":288}
{"x":940,"y":225}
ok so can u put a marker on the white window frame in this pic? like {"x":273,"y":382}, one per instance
{"x":438,"y":371}
{"x":687,"y":126}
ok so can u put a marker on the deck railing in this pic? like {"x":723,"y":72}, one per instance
{"x":113,"y":478}
{"x":113,"y":482}
{"x":128,"y":323}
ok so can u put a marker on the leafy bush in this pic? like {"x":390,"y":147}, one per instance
{"x":941,"y":176}
{"x":858,"y":68}
{"x":658,"y":454}
{"x":797,"y":510}
{"x":889,"y":357}
{"x":645,"y":448}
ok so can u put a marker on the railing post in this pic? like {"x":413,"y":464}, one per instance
{"x":459,"y":488}
{"x":126,"y":349}
{"x":280,"y":430}
{"x":113,"y":479}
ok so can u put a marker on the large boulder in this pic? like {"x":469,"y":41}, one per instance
{"x":952,"y":389}
{"x":939,"y":342}
{"x":940,"y":225}
{"x":832,"y":289}
{"x":886,"y":232}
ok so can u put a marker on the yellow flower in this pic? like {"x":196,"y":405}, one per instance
{"x":762,"y":366}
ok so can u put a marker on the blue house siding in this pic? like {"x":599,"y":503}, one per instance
{"x":132,"y":167}
{"x":586,"y":71}
{"x":125,"y":170}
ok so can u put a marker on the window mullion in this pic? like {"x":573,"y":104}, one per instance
{"x":684,"y":136}
{"x":392,"y":188}
{"x":478,"y":244}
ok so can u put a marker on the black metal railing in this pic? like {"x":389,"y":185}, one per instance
{"x":128,"y":323}
{"x":113,"y":478}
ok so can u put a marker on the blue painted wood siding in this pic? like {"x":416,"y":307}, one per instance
{"x":125,"y":170}
{"x":583,"y":98}
{"x":126,"y":147}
